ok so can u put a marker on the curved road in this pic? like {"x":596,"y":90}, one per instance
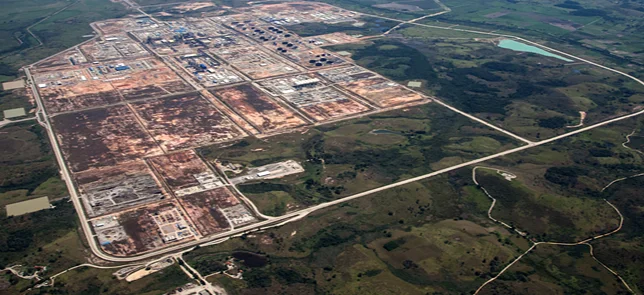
{"x":534,"y":245}
{"x":628,"y":140}
{"x":290,"y":216}
{"x":293,"y":216}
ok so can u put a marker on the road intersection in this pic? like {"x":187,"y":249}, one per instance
{"x":43,"y":119}
{"x":535,"y":244}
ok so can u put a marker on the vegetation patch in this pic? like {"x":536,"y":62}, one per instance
{"x":534,"y":96}
{"x":545,"y":215}
{"x":560,"y":269}
{"x":347,"y":157}
{"x":392,"y":245}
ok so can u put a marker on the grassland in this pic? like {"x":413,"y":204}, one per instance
{"x":17,"y":15}
{"x":557,"y":270}
{"x":578,"y":166}
{"x":419,"y":238}
{"x":47,"y":237}
{"x":434,"y":235}
{"x":273,"y":203}
{"x":623,"y":251}
{"x":29,"y":169}
{"x":602,"y":27}
{"x":533,"y":96}
{"x":545,"y":215}
{"x":366,"y":6}
{"x":603,"y":31}
{"x":99,"y":281}
{"x":57,"y":24}
{"x":34,"y":239}
{"x":16,"y":98}
{"x":347,"y":157}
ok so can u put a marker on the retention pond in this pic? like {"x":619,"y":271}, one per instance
{"x":518,"y":46}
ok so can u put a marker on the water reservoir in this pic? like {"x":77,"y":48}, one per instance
{"x":518,"y":46}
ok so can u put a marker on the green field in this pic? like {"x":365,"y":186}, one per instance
{"x":46,"y":237}
{"x":603,"y":27}
{"x":427,"y":237}
{"x":345,"y":158}
{"x":557,"y":270}
{"x":366,"y":6}
{"x":546,"y":215}
{"x":16,"y":98}
{"x":31,"y":239}
{"x":623,"y":251}
{"x":17,"y":15}
{"x":604,"y":31}
{"x":99,"y":281}
{"x":434,"y":235}
{"x":531,"y":95}
{"x":415,"y":239}
{"x":29,"y":168}
{"x":578,"y":166}
{"x":582,"y":166}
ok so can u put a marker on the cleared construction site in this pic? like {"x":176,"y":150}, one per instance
{"x":130,"y":107}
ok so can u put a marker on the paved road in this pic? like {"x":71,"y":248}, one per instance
{"x":267,"y":223}
{"x":296,"y":215}
{"x":6,"y":122}
{"x":242,"y":196}
{"x":293,"y":216}
{"x":477,"y":119}
{"x":443,"y":7}
{"x":43,"y":119}
{"x":506,"y":36}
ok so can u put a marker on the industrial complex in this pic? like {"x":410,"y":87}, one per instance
{"x":129,"y":107}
